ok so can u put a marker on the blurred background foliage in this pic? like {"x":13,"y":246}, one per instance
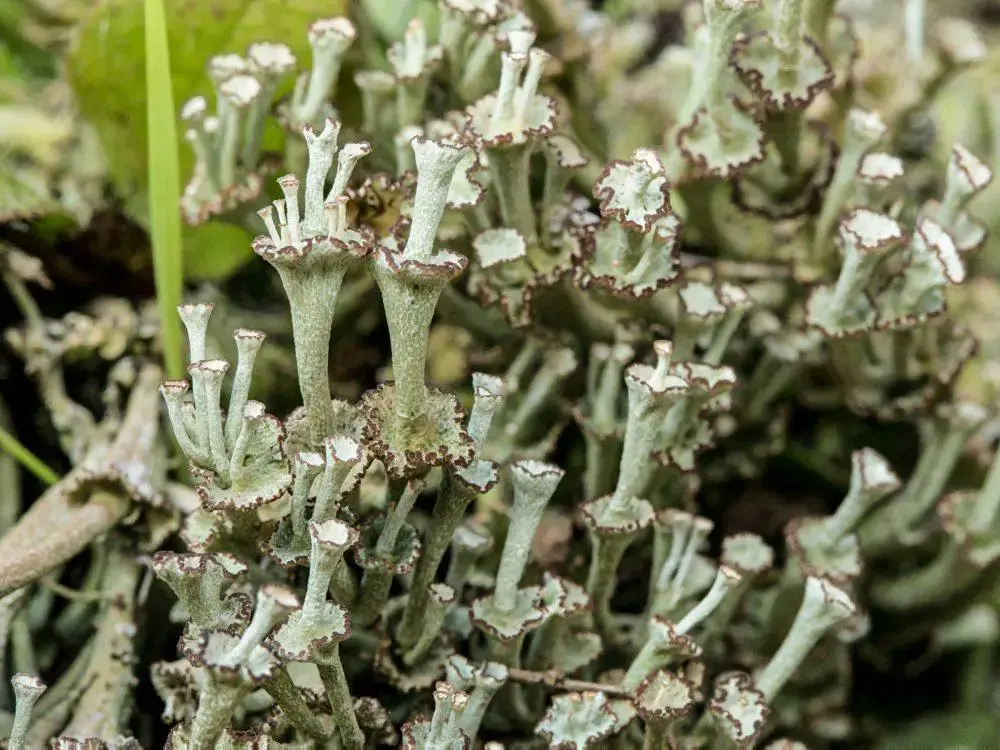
{"x":73,"y":169}
{"x":72,"y":101}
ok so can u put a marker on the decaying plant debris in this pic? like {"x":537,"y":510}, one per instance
{"x":646,"y":262}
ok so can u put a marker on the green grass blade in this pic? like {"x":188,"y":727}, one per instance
{"x":164,"y":187}
{"x":27,"y":459}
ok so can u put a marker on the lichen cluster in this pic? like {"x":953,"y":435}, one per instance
{"x":377,"y":570}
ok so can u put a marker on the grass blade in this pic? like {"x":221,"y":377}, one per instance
{"x":27,"y":459}
{"x":164,"y":187}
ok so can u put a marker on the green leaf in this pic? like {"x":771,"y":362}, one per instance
{"x":164,"y":188}
{"x":105,"y":63}
{"x":215,"y":250}
{"x":31,"y":462}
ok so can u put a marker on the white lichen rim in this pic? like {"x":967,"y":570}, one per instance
{"x":334,"y":533}
{"x":336,"y":28}
{"x":880,"y":168}
{"x":25,"y":683}
{"x":470,"y":538}
{"x":701,"y":300}
{"x":521,"y":40}
{"x":271,"y":57}
{"x":837,"y":602}
{"x":869,"y":231}
{"x":747,"y":552}
{"x":711,"y":378}
{"x":221,"y":67}
{"x":209,"y":367}
{"x":701,"y":526}
{"x":621,"y":352}
{"x":442,"y":593}
{"x":739,"y":705}
{"x":354,"y":150}
{"x":664,"y":631}
{"x":670,"y":517}
{"x":248,"y":334}
{"x":485,"y":385}
{"x":728,"y":576}
{"x":533,"y":469}
{"x":646,"y":377}
{"x":412,"y":57}
{"x":343,"y":449}
{"x":499,"y":245}
{"x":195,"y":311}
{"x":280,"y":595}
{"x":733,"y":296}
{"x":494,"y":673}
{"x":867,"y":124}
{"x":194,"y":109}
{"x":433,"y":155}
{"x":874,"y":471}
{"x":966,"y":166}
{"x":936,"y":240}
{"x":254,"y":411}
{"x":240,"y":90}
{"x":635,"y":192}
{"x":564,"y":597}
{"x":482,"y":12}
{"x":566,"y":710}
{"x":566,"y":151}
{"x":170,"y":388}
{"x":309,"y":460}
{"x":664,"y":696}
{"x":198,"y":564}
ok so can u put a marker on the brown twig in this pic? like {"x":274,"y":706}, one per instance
{"x":92,"y":498}
{"x":558,"y":681}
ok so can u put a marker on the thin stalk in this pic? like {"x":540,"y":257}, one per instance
{"x":602,"y":578}
{"x":217,"y":704}
{"x":294,"y":706}
{"x":509,"y":169}
{"x":27,"y":459}
{"x":558,"y":682}
{"x":449,"y":509}
{"x":164,"y":186}
{"x":341,"y":703}
{"x":988,"y":507}
{"x":786,"y":131}
{"x":943,"y":577}
{"x":377,"y":579}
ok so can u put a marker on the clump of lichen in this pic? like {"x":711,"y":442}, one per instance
{"x":679,"y":270}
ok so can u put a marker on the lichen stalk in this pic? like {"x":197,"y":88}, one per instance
{"x":377,"y":579}
{"x":312,"y":298}
{"x":452,"y":501}
{"x":27,"y":690}
{"x":607,"y":551}
{"x":534,"y":483}
{"x":509,"y":174}
{"x":338,"y":692}
{"x":286,"y":694}
{"x":823,"y":607}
